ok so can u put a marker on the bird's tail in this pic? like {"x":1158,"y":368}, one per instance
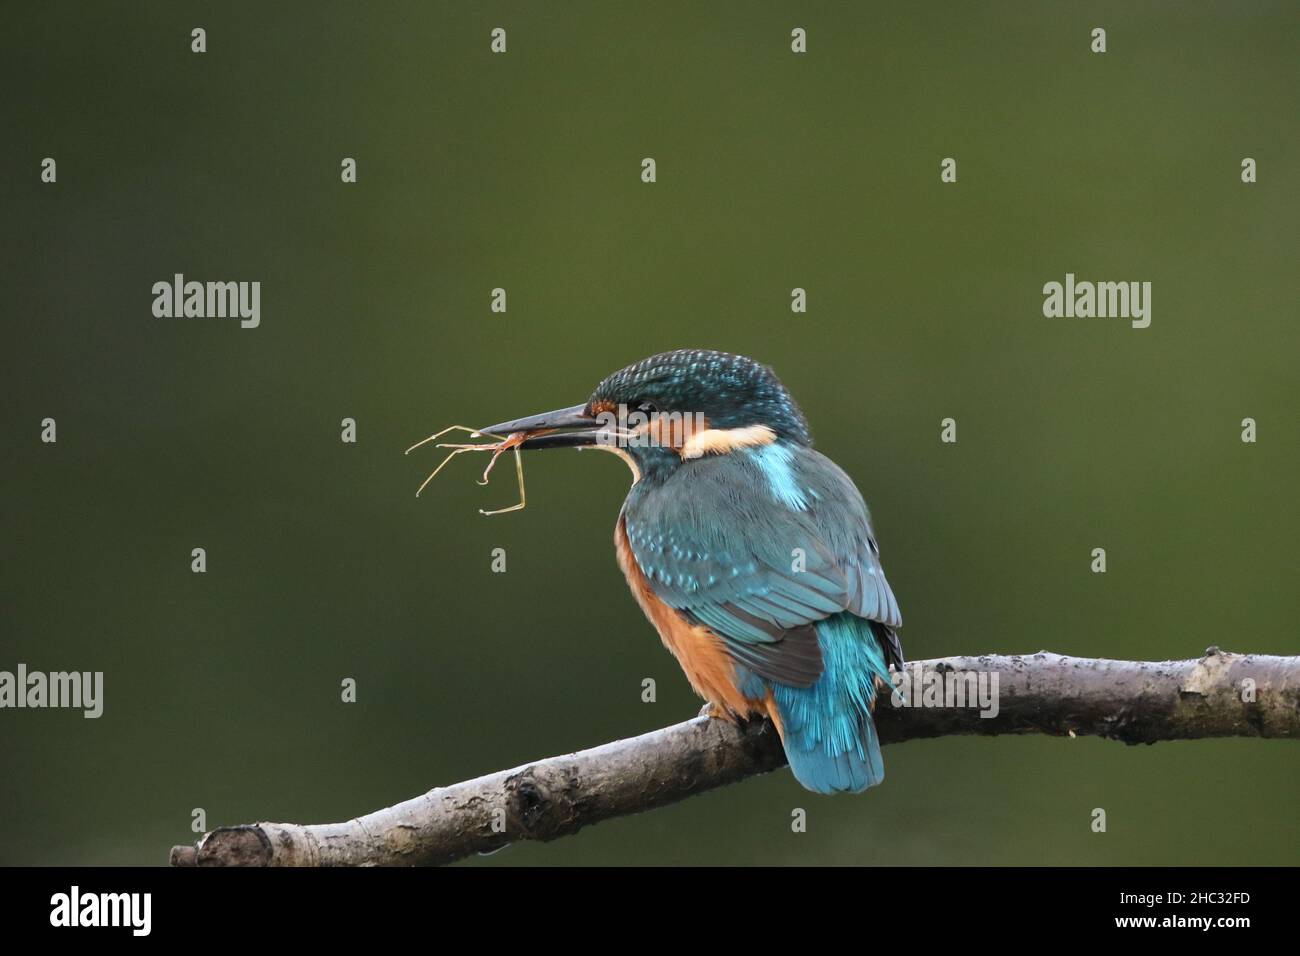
{"x":829,"y":736}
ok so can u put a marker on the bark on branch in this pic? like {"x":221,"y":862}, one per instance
{"x":1133,"y":701}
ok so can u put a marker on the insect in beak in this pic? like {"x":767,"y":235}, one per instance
{"x":510,"y":442}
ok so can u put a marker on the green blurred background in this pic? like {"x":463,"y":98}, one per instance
{"x":522,"y":171}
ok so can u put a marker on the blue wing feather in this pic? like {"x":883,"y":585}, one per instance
{"x":760,"y":545}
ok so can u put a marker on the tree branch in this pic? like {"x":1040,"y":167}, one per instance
{"x":1133,"y":701}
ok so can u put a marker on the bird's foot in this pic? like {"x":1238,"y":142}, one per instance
{"x":717,"y":712}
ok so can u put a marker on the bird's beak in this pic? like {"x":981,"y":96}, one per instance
{"x":563,"y":428}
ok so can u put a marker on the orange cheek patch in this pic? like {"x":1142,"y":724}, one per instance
{"x":674,"y":431}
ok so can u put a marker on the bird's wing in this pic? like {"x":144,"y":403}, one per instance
{"x":759,"y":546}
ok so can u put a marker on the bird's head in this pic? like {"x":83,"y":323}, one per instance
{"x":671,"y":408}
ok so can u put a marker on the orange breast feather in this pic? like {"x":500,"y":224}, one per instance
{"x":699,"y":651}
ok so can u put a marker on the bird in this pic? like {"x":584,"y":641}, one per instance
{"x":750,"y":552}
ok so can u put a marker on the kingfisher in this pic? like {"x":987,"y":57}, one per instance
{"x":751,"y":553}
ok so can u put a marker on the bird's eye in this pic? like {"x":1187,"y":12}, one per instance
{"x":648,"y":408}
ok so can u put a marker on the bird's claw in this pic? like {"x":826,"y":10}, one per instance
{"x":717,"y":712}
